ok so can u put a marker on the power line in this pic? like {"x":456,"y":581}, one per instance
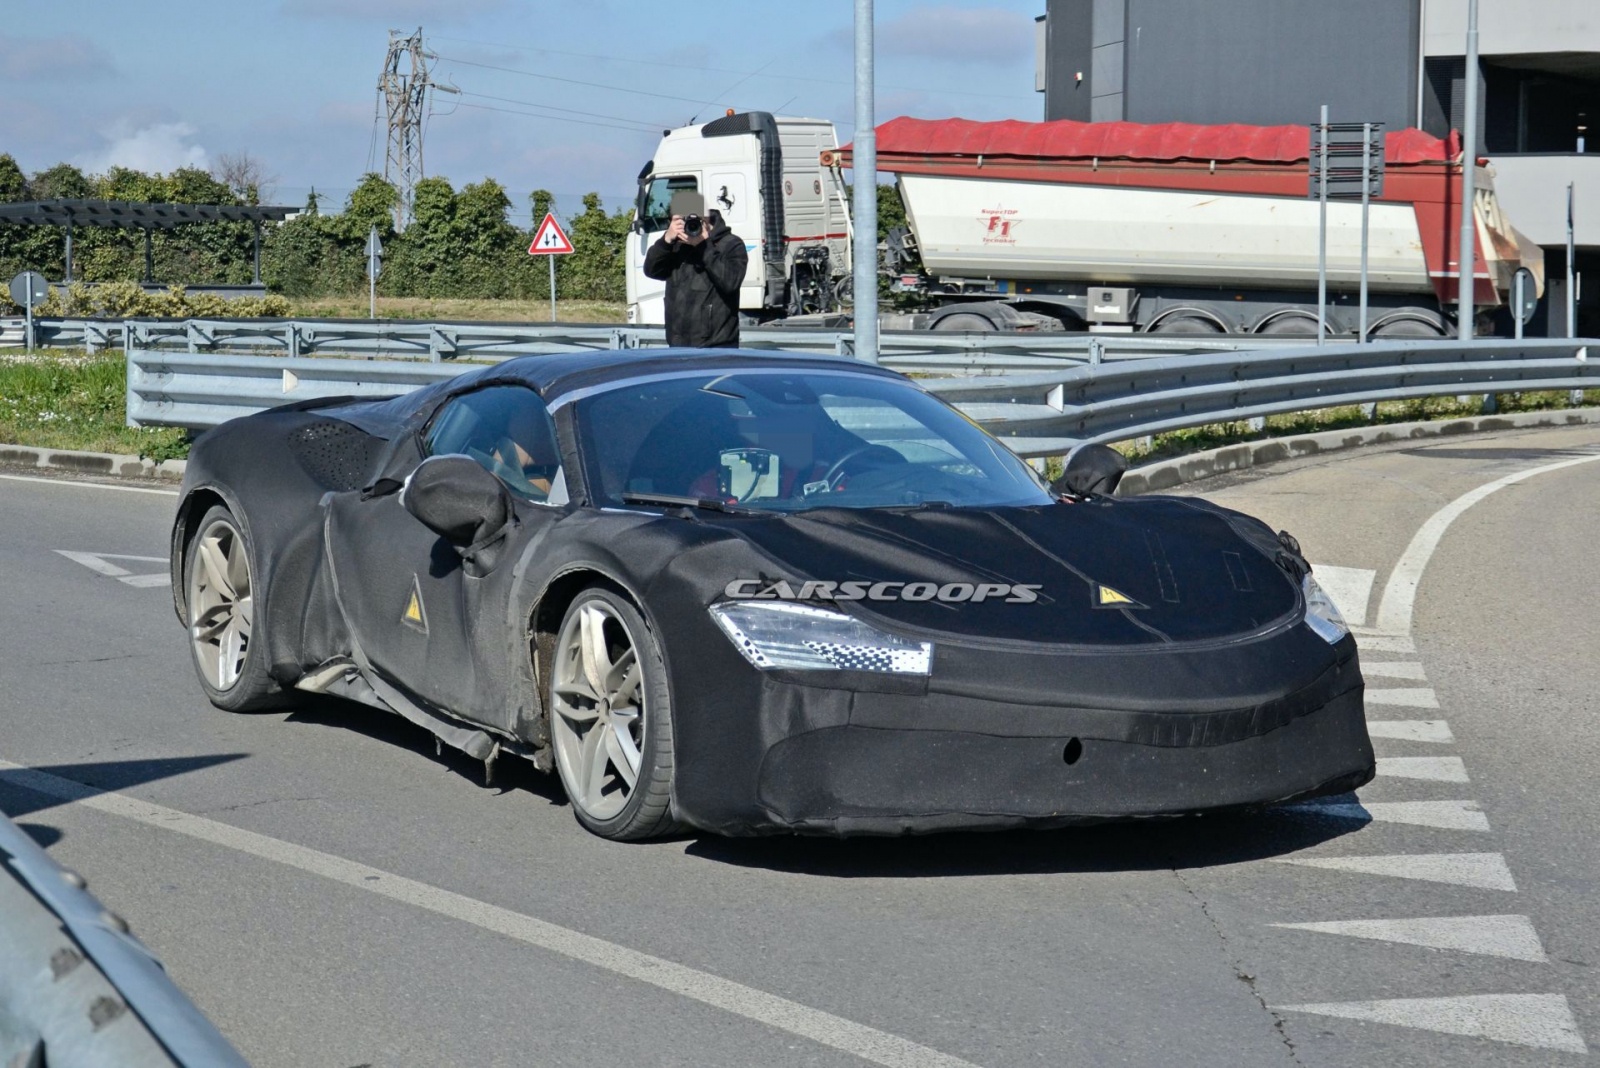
{"x":553,"y":118}
{"x":570,"y":111}
{"x":724,"y":70}
{"x":575,"y":81}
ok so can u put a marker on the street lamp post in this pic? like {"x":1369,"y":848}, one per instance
{"x":865,"y":193}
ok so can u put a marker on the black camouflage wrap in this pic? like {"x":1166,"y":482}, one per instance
{"x":1208,"y":691}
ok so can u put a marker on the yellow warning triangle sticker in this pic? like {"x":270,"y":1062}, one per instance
{"x":414,"y":616}
{"x":1105,"y":595}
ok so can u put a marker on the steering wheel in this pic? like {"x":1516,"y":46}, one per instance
{"x":836,"y":473}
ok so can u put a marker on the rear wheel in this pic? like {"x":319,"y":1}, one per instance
{"x":224,"y":636}
{"x":965,"y":322}
{"x":1291,"y":326}
{"x":1403,"y":328}
{"x":611,"y":719}
{"x":1186,"y":324}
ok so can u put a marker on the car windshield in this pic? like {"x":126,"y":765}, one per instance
{"x":788,"y":441}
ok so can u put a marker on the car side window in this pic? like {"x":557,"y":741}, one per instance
{"x":506,"y":429}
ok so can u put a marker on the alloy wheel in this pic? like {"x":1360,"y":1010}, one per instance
{"x":599,"y":710}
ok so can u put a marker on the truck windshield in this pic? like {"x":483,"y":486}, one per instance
{"x":655,"y":199}
{"x":788,"y":441}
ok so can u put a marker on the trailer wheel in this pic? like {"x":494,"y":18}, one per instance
{"x":1408,"y":326}
{"x":965,"y":322}
{"x":1186,"y":324}
{"x":1293,"y":324}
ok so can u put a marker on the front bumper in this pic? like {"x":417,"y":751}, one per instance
{"x":874,"y":780}
{"x":998,"y":739}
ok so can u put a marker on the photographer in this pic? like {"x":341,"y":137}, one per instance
{"x":703,"y":264}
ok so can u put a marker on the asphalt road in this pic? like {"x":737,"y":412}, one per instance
{"x":332,"y":892}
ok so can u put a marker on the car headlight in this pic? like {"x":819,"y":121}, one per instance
{"x":782,"y":635}
{"x":1322,"y":615}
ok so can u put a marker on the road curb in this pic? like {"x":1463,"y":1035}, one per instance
{"x":1165,"y":474}
{"x":104,"y":464}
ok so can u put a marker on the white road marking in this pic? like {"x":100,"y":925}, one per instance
{"x":867,"y":1043}
{"x":1445,"y":815}
{"x":1415,"y":697}
{"x":1400,"y":594}
{"x":101,"y":563}
{"x":1394,"y":669}
{"x":1431,"y":769}
{"x":1373,"y":642}
{"x":1349,"y":587}
{"x":1485,"y":871}
{"x":1512,"y":937}
{"x":1411,"y":730}
{"x":1540,"y":1020}
{"x":90,"y":485}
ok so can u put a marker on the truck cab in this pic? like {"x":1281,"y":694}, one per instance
{"x":764,"y":174}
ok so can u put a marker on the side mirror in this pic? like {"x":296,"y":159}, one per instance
{"x":1092,"y":471}
{"x":459,"y":501}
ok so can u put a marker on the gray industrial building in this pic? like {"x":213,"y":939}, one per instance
{"x":1399,"y":62}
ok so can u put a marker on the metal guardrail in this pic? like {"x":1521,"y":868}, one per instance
{"x":1048,"y":414}
{"x":78,"y":991}
{"x":915,"y":351}
{"x":1037,"y":414}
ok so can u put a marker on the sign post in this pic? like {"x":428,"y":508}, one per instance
{"x":374,"y":267}
{"x":27,"y":289}
{"x":550,"y":240}
{"x":1335,"y":146}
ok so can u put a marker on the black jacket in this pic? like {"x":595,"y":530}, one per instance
{"x":702,"y":288}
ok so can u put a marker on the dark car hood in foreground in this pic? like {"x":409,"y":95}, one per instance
{"x":1195,"y":572}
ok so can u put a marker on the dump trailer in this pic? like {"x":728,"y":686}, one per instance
{"x":1117,"y":227}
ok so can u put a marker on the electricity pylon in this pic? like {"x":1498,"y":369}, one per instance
{"x":404,"y":86}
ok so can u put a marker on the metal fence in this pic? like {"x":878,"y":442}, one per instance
{"x":1036,"y":413}
{"x":438,"y":342}
{"x":78,"y":991}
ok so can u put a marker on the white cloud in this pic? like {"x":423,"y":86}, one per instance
{"x":156,"y":149}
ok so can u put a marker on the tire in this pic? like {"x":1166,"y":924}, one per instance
{"x":1186,"y":324}
{"x":1292,"y":326}
{"x":1402,"y":328}
{"x":591,"y":681}
{"x":225,"y":631}
{"x":965,"y":322}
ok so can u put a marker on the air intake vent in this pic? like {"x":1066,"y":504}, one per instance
{"x":336,"y":454}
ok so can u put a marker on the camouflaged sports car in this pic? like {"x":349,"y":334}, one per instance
{"x":753,"y":593}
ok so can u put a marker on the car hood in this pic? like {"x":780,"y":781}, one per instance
{"x":1136,"y":572}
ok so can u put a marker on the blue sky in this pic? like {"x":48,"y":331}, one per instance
{"x":164,"y":83}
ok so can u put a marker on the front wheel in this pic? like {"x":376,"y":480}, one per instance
{"x":611,"y":719}
{"x":224,"y":627}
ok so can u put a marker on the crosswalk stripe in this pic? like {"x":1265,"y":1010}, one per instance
{"x":1512,"y":937}
{"x":1485,"y":871}
{"x":1412,"y":730}
{"x":1350,"y":588}
{"x":1393,"y":669}
{"x":1431,"y":769}
{"x":1543,"y":1021}
{"x":1412,"y":697}
{"x":1370,"y":641}
{"x":1445,"y":815}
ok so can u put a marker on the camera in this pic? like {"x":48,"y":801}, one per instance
{"x":692,"y":224}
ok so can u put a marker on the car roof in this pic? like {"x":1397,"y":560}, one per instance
{"x":554,"y":374}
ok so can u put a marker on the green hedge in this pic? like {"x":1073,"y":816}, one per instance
{"x":459,"y":244}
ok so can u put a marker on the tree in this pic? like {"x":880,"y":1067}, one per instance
{"x":543,"y":202}
{"x":62,"y":180}
{"x":13,"y":184}
{"x":370,"y":204}
{"x":245,"y":175}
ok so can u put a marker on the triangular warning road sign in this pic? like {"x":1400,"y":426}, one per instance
{"x":549,"y":239}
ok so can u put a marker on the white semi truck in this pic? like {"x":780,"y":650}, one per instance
{"x":1069,"y":226}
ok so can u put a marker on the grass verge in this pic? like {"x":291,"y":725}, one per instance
{"x":72,"y":400}
{"x":446,"y":309}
